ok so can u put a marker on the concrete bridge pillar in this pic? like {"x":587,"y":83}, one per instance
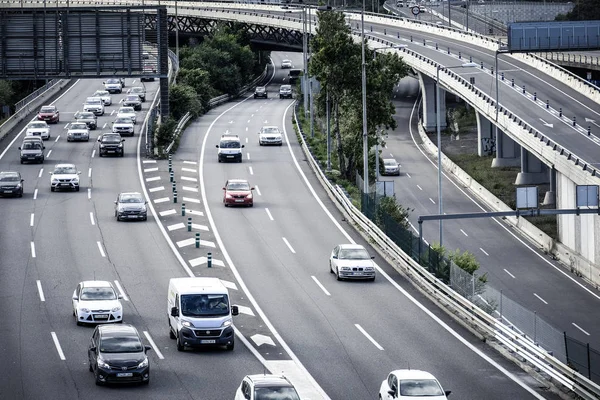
{"x":429,"y":117}
{"x":550,"y":196}
{"x":507,"y":151}
{"x":486,"y":142}
{"x":533,"y":171}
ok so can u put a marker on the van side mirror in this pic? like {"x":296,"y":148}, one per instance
{"x":19,"y":147}
{"x":174,"y":312}
{"x":243,"y":146}
{"x":146,"y":348}
{"x":372,"y":257}
{"x":217,"y":146}
{"x":447,"y":392}
{"x":93,"y":349}
{"x":235,"y":310}
{"x":99,"y":139}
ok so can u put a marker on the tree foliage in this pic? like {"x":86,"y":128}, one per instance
{"x":183,"y":98}
{"x":6,"y":92}
{"x":584,"y":10}
{"x":388,"y":206}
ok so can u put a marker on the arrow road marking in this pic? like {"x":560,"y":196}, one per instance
{"x":547,"y":124}
{"x":259,"y":340}
{"x":591,"y":121}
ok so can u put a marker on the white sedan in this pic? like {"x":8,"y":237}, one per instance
{"x":351,"y":261}
{"x":38,"y":128}
{"x":411,"y":384}
{"x":105,"y":96}
{"x":127,"y":112}
{"x":97,"y":302}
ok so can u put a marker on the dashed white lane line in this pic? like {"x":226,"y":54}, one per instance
{"x":257,"y":190}
{"x":156,"y":189}
{"x":41,"y":172}
{"x":152,"y":179}
{"x":464,"y":233}
{"x":248,"y":156}
{"x":35,"y":194}
{"x":420,"y":188}
{"x":188,"y":178}
{"x":89,"y":172}
{"x":161,"y":200}
{"x":580,"y":328}
{"x":314,"y":278}
{"x":40,"y":290}
{"x":190,"y":189}
{"x":167,"y":212}
{"x":151,"y":169}
{"x":484,"y":252}
{"x":48,"y":155}
{"x":289,"y":245}
{"x":511,"y":275}
{"x":542,"y":300}
{"x":32,"y":219}
{"x":156,"y":350}
{"x":191,"y":200}
{"x":58,"y":348}
{"x":120,"y":288}
{"x":430,"y":199}
{"x":32,"y":250}
{"x":360,"y":328}
{"x":101,"y":249}
{"x":407,"y":174}
{"x":269,"y":214}
{"x":93,"y":153}
{"x":58,"y":137}
{"x":251,"y":171}
{"x":89,"y":193}
{"x":149,"y":161}
{"x":92,"y":218}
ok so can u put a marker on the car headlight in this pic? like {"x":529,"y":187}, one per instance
{"x":144,"y":363}
{"x":249,"y":196}
{"x":75,"y":180}
{"x":19,"y":185}
{"x":54,"y":180}
{"x":115,"y":309}
{"x":369,"y":269}
{"x":85,"y":310}
{"x":102,"y":146}
{"x":226,"y":323}
{"x":228,"y":196}
{"x":121,"y":145}
{"x":187,"y":324}
{"x":345,"y":268}
{"x":103,"y":364}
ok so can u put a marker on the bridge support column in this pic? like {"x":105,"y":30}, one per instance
{"x":507,"y":151}
{"x":486,"y":143}
{"x":550,"y":196}
{"x":533,"y":171}
{"x":429,"y":116}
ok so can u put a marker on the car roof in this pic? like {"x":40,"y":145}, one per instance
{"x":270,"y":126}
{"x":64,"y":165}
{"x":33,"y":138}
{"x":48,"y":106}
{"x":390,"y":160}
{"x":351,"y":246}
{"x":96,"y":284}
{"x":412,"y":374}
{"x":269,"y":380}
{"x":237,"y":180}
{"x":130,"y":194}
{"x":9,"y":173}
{"x":229,"y":136}
{"x":111,"y":330}
{"x":126,"y":108}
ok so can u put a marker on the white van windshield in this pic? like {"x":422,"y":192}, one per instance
{"x":204,"y":305}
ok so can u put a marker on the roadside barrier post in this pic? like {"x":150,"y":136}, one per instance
{"x":197,"y":240}
{"x":209,"y":260}
{"x":171,"y":175}
{"x":175,"y":197}
{"x":189,"y":224}
{"x":574,"y":122}
{"x":183,"y":209}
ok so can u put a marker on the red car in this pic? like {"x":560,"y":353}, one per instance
{"x":49,"y":114}
{"x":238,"y":192}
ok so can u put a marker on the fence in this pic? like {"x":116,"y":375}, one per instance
{"x":23,"y":102}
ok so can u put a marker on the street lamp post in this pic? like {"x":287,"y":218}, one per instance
{"x":364,"y":106}
{"x":439,"y":135}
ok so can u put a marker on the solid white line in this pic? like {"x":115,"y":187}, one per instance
{"x":92,"y":218}
{"x":580,"y":328}
{"x":430,"y":199}
{"x":484,"y":252}
{"x":89,"y":172}
{"x":31,"y":219}
{"x":41,"y":172}
{"x":511,"y":275}
{"x":58,"y":137}
{"x":407,"y":174}
{"x":360,"y":328}
{"x":268,"y":213}
{"x":154,"y":346}
{"x":101,"y":249}
{"x":257,"y":190}
{"x":35,"y":194}
{"x":48,"y":155}
{"x":93,"y":153}
{"x":542,"y":300}
{"x":464,"y":233}
{"x":32,"y":250}
{"x":251,"y":172}
{"x":118,"y":284}
{"x":58,"y":348}
{"x":320,"y":285}
{"x":40,"y":290}
{"x":289,"y":245}
{"x":89,"y":193}
{"x":420,"y":188}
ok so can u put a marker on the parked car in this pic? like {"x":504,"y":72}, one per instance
{"x":237,"y":192}
{"x":130,"y":206}
{"x":270,"y":135}
{"x":351,"y":261}
{"x":11,"y":183}
{"x":88,"y":117}
{"x":411,"y":384}
{"x":390,"y":167}
{"x":140,"y":91}
{"x":105,"y":96}
{"x":116,"y":354}
{"x":266,"y":386}
{"x":285,"y":92}
{"x":96,"y":302}
{"x":64,"y":176}
{"x":260,"y":91}
{"x":32,"y":150}
{"x":49,"y":114}
{"x":133,"y":100}
{"x":78,"y":131}
{"x":111,"y":143}
{"x":38,"y":128}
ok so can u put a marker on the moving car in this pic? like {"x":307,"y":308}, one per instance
{"x":294,"y":75}
{"x":230,"y":148}
{"x":127,"y":112}
{"x":390,"y":167}
{"x":11,"y":183}
{"x":96,"y":302}
{"x":116,"y":354}
{"x":88,"y":117}
{"x":266,"y":386}
{"x":32,"y":150}
{"x":286,"y":64}
{"x":64,"y":176}
{"x":237,"y":192}
{"x":78,"y":131}
{"x":105,"y":96}
{"x":130,"y":206}
{"x":285,"y":92}
{"x":351,"y":261}
{"x":123,"y":126}
{"x":260,"y":91}
{"x":38,"y":128}
{"x":150,"y":69}
{"x":270,"y":135}
{"x":411,"y":384}
{"x":140,"y":91}
{"x":95,"y":105}
{"x":111,"y":143}
{"x":113,"y":85}
{"x":133,"y":100}
{"x":49,"y":114}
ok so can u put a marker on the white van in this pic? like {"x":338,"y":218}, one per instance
{"x":230,"y":148}
{"x":199,"y":313}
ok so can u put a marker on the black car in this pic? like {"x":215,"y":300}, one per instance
{"x":116,"y":354}
{"x":260,"y":91}
{"x":133,"y":100}
{"x":111,"y":143}
{"x":88,"y":117}
{"x":11,"y":184}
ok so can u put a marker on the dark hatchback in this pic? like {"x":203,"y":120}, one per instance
{"x":88,"y":117}
{"x":11,"y":184}
{"x":111,"y":143}
{"x":116,"y":354}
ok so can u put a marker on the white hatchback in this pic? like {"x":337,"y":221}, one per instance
{"x":411,"y":384}
{"x":97,"y":302}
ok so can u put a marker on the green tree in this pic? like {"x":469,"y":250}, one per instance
{"x":164,"y":132}
{"x":199,"y":80}
{"x":6,"y":93}
{"x":584,"y":10}
{"x":389,"y":207}
{"x":183,"y":98}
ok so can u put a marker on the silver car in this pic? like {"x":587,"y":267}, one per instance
{"x":390,"y":167}
{"x":130,"y":206}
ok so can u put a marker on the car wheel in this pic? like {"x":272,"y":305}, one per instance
{"x":146,"y":382}
{"x":337,"y":274}
{"x":372,"y":279}
{"x":77,"y":189}
{"x":90,"y":368}
{"x":230,"y":347}
{"x":251,"y":205}
{"x":21,"y":193}
{"x":219,"y":160}
{"x":171,"y":334}
{"x":330,"y":268}
{"x":180,"y":346}
{"x":21,"y":161}
{"x":145,"y":218}
{"x":100,"y":154}
{"x":77,"y":321}
{"x":98,"y":382}
{"x":52,"y":189}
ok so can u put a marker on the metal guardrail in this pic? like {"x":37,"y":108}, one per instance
{"x":178,"y":129}
{"x":462,"y":307}
{"x":23,"y":102}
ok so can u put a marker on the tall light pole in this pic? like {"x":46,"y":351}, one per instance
{"x":364,"y":106}
{"x":305,"y":58}
{"x":439,"y":135}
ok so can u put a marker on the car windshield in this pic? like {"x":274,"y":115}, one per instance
{"x":354,"y":254}
{"x":94,"y":102}
{"x":286,"y":87}
{"x":37,"y":125}
{"x":85,"y":115}
{"x":101,"y":93}
{"x":123,"y":120}
{"x":390,"y":162}
{"x":97,"y":293}
{"x":113,"y":80}
{"x":111,"y":139}
{"x":126,"y":110}
{"x":78,"y":126}
{"x":270,"y":129}
{"x":286,"y":61}
{"x":9,"y":177}
{"x":137,"y":90}
{"x":132,"y":98}
{"x":31,"y":146}
{"x":131,"y":198}
{"x":229,"y":144}
{"x":46,"y":110}
{"x":238,"y":186}
{"x":122,"y":344}
{"x":275,"y":393}
{"x":420,"y":387}
{"x":260,"y":89}
{"x":65,"y":170}
{"x":204,"y":305}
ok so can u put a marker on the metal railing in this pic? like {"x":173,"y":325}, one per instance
{"x":23,"y":102}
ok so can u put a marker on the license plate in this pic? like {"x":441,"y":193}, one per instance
{"x":357,"y":273}
{"x":8,"y":191}
{"x":124,"y":374}
{"x":101,"y":316}
{"x":64,"y":184}
{"x":110,"y":151}
{"x":239,"y":200}
{"x":229,"y":156}
{"x":208,"y":341}
{"x":132,"y":216}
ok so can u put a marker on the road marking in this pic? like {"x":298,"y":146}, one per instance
{"x":35,"y":194}
{"x":200,"y":227}
{"x":251,"y":172}
{"x":41,"y":172}
{"x":188,"y":170}
{"x":200,"y":213}
{"x":188,"y":178}
{"x":101,"y":249}
{"x":190,"y":189}
{"x":257,"y":190}
{"x":360,"y":328}
{"x":93,"y":153}
{"x":161,"y":200}
{"x":203,"y":260}
{"x":407,"y":174}
{"x":156,"y":189}
{"x":150,"y":161}
{"x":289,"y":245}
{"x":58,"y":348}
{"x":92,"y":218}
{"x":48,"y":155}
{"x":248,"y":156}
{"x":246,"y":131}
{"x":580,"y":328}
{"x":40,"y":290}
{"x":31,"y":220}
{"x":542,"y":300}
{"x":484,"y":252}
{"x":89,"y":193}
{"x":246,"y":310}
{"x":512,"y":276}
{"x":420,"y":188}
{"x":259,"y":340}
{"x":58,"y":137}
{"x":32,"y":250}
{"x":192,"y":241}
{"x":191,"y":200}
{"x":156,"y":350}
{"x":180,"y":225}
{"x":464,"y":233}
{"x":430,"y":199}
{"x":268,"y":213}
{"x":89,"y":173}
{"x":151,"y":169}
{"x":314,"y":278}
{"x":190,"y":162}
{"x":167,"y":212}
{"x":154,"y":178}
{"x":121,"y":290}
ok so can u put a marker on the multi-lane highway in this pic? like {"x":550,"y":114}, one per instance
{"x":348,"y":335}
